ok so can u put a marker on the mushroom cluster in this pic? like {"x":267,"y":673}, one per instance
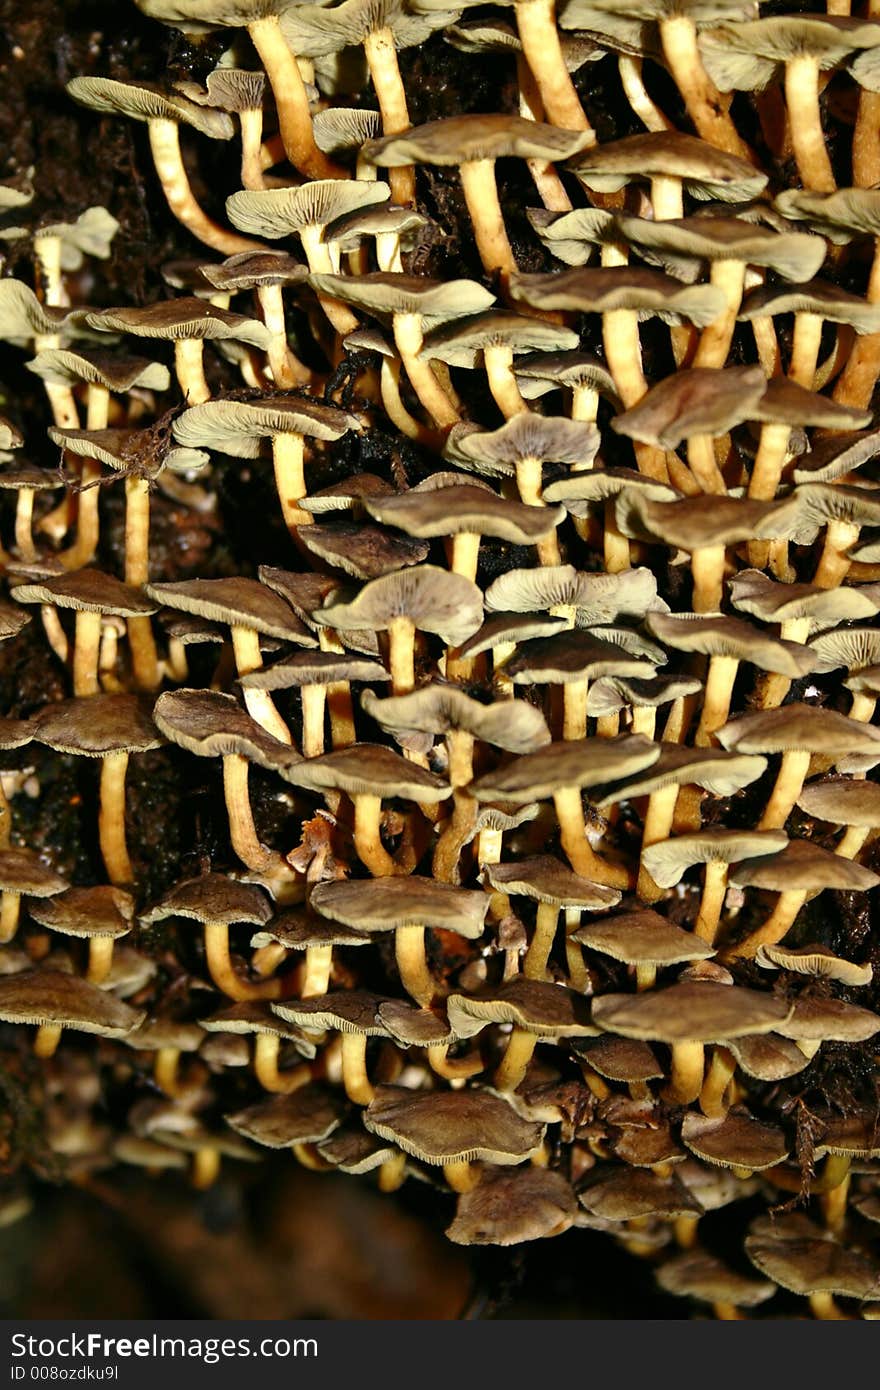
{"x":520,"y":741}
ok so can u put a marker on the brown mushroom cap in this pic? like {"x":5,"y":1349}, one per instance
{"x":367,"y":769}
{"x":181,"y":318}
{"x":720,"y":635}
{"x":97,"y":725}
{"x":738,"y":1140}
{"x":548,"y":880}
{"x":705,"y":171}
{"x":255,"y":1016}
{"x":509,"y":724}
{"x":211,"y":725}
{"x":344,"y":1011}
{"x":842,"y":800}
{"x":87,"y":590}
{"x":98,"y":911}
{"x":461,"y":139}
{"x":252,"y":269}
{"x":56,"y":999}
{"x":463,"y":341}
{"x":64,"y":367}
{"x":773,"y":602}
{"x":235,"y":602}
{"x":791,"y":254}
{"x":802,"y":866}
{"x":22,"y":871}
{"x":211,"y":898}
{"x":575,"y":762}
{"x":800,"y":726}
{"x":691,"y":1011}
{"x":433,"y":599}
{"x":385,"y":904}
{"x":365,"y":551}
{"x":626,"y":1194}
{"x":642,"y":938}
{"x":313,"y":668}
{"x":814,"y":1019}
{"x":649,"y":293}
{"x":352,"y":1150}
{"x":464,"y":508}
{"x":694,"y":401}
{"x":440,"y":1127}
{"x":801,"y":1257}
{"x":697,"y":1274}
{"x":767,"y":1057}
{"x":305,"y":1116}
{"x":710,"y":768}
{"x":510,"y":1208}
{"x":547,"y":1010}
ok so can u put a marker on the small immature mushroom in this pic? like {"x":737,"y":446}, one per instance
{"x":25,"y":483}
{"x":249,"y":609}
{"x":560,"y":771}
{"x":352,"y":1150}
{"x":453,"y":1129}
{"x":407,"y":906}
{"x":611,"y":694}
{"x":578,"y":372}
{"x":854,"y":803}
{"x":254,"y":1017}
{"x":701,"y":1276}
{"x":305,"y":1117}
{"x":217,"y":902}
{"x":100,"y":915}
{"x":241,"y":93}
{"x":339,"y":130}
{"x":473,"y":143}
{"x":166,"y":1038}
{"x":53,"y":1000}
{"x":210,"y":725}
{"x":798,"y":731}
{"x":794,"y":872}
{"x":493,"y":339}
{"x":112,"y":728}
{"x":857,"y":649}
{"x":268,"y":273}
{"x":686,"y":1016}
{"x":668,"y":860}
{"x":295,"y":930}
{"x":354,"y":1015}
{"x":510,"y":1208}
{"x":553,"y":886}
{"x":423,"y":598}
{"x":535,"y":1009}
{"x":164,"y":115}
{"x":93,"y":596}
{"x":22,"y":872}
{"x":317,"y":676}
{"x":643,"y":940}
{"x":815,"y":960}
{"x":239,"y":427}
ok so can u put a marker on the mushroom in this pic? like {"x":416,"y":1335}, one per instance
{"x":315,"y":674}
{"x":255,"y":1017}
{"x":553,"y":886}
{"x":671,"y":162}
{"x":295,"y":930}
{"x":99,"y":915}
{"x":405,"y":906}
{"x":453,"y":1129}
{"x":644,"y":940}
{"x":354,"y":1015}
{"x":22,"y":872}
{"x":493,"y":339}
{"x":842,"y":801}
{"x":700,"y":1275}
{"x":815,"y":960}
{"x":510,"y":1208}
{"x":241,"y":93}
{"x":25,"y":482}
{"x":112,"y":728}
{"x":537,"y":1010}
{"x":53,"y":1000}
{"x":166,"y":1038}
{"x":801,"y":1257}
{"x":716,"y":849}
{"x":267,"y":273}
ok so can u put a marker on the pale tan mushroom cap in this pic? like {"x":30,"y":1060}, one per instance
{"x":816,"y":960}
{"x":51,"y":997}
{"x":647,"y":293}
{"x":281,"y":212}
{"x":146,"y":103}
{"x":452,"y":1126}
{"x":98,"y":724}
{"x":628,"y":1194}
{"x":842,"y":800}
{"x":87,"y":590}
{"x":434,"y":600}
{"x":238,"y":427}
{"x":573,"y":763}
{"x":462,"y":139}
{"x":705,"y":171}
{"x":252,"y":1016}
{"x":63,"y":366}
{"x":668,"y":860}
{"x":441,"y":709}
{"x":642,"y":938}
{"x":548,"y":880}
{"x":387,"y":293}
{"x":367,"y":769}
{"x":464,"y":508}
{"x":212,"y":725}
{"x":235,"y":602}
{"x":379,"y":905}
{"x":548,"y":1011}
{"x":690,"y":1012}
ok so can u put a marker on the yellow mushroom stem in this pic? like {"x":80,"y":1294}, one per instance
{"x":461,"y":1176}
{"x":607,"y":726}
{"x":767,"y":472}
{"x":339,"y":706}
{"x":165,"y":1070}
{"x":789,"y":783}
{"x":718,"y":1077}
{"x":259,"y":703}
{"x":805,"y":124}
{"x":823,"y":1307}
{"x":459,"y":828}
{"x":10,"y":911}
{"x":550,"y":188}
{"x":678,"y":39}
{"x":529,"y":477}
{"x":656,"y":826}
{"x":707,"y":568}
{"x":717,"y":695}
{"x":774,"y":687}
{"x":542,"y":49}
{"x":498,"y":365}
{"x":401,"y":654}
{"x":703,"y":464}
{"x":223,"y":973}
{"x":484,"y":208}
{"x":5,"y":825}
{"x":100,"y":959}
{"x":615,"y":546}
{"x":46,"y":1041}
{"x":168,"y":160}
{"x":286,"y":369}
{"x":712,"y":901}
{"x":541,"y":944}
{"x":412,"y":963}
{"x":242,"y":832}
{"x":459,"y":1069}
{"x":316,"y":980}
{"x":579,"y":851}
{"x":111,"y":817}
{"x":291,"y":100}
{"x":835,"y":1182}
{"x":584,"y":403}
{"x":517,"y":1055}
{"x":314,"y":702}
{"x":629,"y":69}
{"x":88,"y":492}
{"x":205,"y":1168}
{"x":389,"y":383}
{"x":367,"y":837}
{"x":688,"y":1065}
{"x":834,"y":564}
{"x":251,"y":126}
{"x":574,"y":708}
{"x":715,"y":340}
{"x":805,"y":349}
{"x":644,"y":720}
{"x":863,"y":706}
{"x":144,"y":661}
{"x":86,"y":649}
{"x":646,"y":975}
{"x":266,"y":959}
{"x":266,"y":1049}
{"x":354,"y":1068}
{"x":380,"y":52}
{"x":392,"y":1173}
{"x":288,"y":461}
{"x":408,"y":339}
{"x":852,"y":840}
{"x":321,"y":261}
{"x":189,"y":368}
{"x":489,"y":843}
{"x":775,"y":928}
{"x":465,"y":553}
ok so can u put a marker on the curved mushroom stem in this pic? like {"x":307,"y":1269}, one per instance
{"x":165,"y":146}
{"x":630,"y":72}
{"x":288,"y":461}
{"x":380,"y":52}
{"x":267,"y":959}
{"x":718,"y":1078}
{"x":716,"y":338}
{"x":354,"y":1068}
{"x":266,"y":1049}
{"x":774,"y":929}
{"x":461,"y":1176}
{"x":573,"y":838}
{"x":408,"y":338}
{"x":389,"y":380}
{"x":720,"y":680}
{"x":805,"y":123}
{"x":321,"y":262}
{"x":111,"y":817}
{"x":851,"y":841}
{"x":291,"y":100}
{"x":704,"y":465}
{"x":392,"y":1173}
{"x":487,"y":219}
{"x":656,"y":826}
{"x":242,"y":831}
{"x":47,"y":1038}
{"x":86,"y":648}
{"x":259,"y":703}
{"x":541,"y":944}
{"x":459,"y":1069}
{"x":835,"y":1191}
{"x":100,"y":959}
{"x":788,"y":786}
{"x":401,"y":654}
{"x":10,"y":911}
{"x":409,"y":952}
{"x":205,"y":1168}
{"x":165,"y":1070}
{"x":222,"y":971}
{"x":319,"y":962}
{"x":688,"y":1064}
{"x":514,"y":1064}
{"x":367,"y":838}
{"x":712,"y":901}
{"x":539,"y":36}
{"x":678,"y":37}
{"x":498,"y":365}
